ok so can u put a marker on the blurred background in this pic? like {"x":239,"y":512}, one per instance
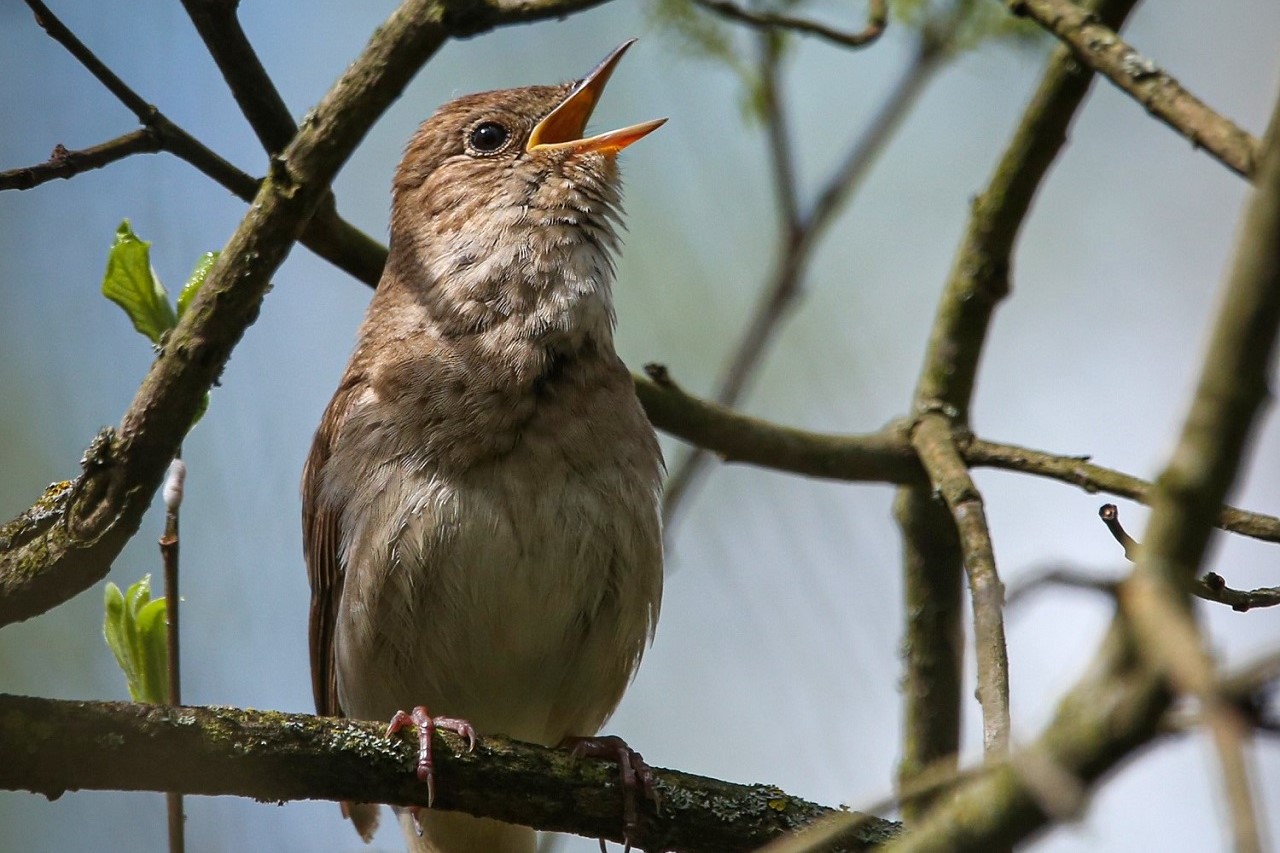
{"x":777,"y":658}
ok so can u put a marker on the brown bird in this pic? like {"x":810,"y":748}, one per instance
{"x":480,"y":505}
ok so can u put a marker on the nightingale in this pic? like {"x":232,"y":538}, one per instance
{"x":480,"y":504}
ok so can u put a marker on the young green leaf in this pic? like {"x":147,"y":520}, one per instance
{"x":134,"y":627}
{"x":194,"y":282}
{"x":131,"y":283}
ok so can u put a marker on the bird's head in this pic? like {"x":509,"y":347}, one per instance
{"x":510,"y":166}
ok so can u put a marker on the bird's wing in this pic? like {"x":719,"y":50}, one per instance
{"x":322,"y":544}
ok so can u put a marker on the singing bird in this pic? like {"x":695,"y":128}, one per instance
{"x":480,"y":504}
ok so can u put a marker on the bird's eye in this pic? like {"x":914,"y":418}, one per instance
{"x":488,"y":137}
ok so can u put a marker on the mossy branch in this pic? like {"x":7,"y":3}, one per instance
{"x":51,"y":746}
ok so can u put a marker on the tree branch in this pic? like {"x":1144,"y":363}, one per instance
{"x":67,"y":164}
{"x":328,"y":235}
{"x":51,"y":746}
{"x":949,"y":477}
{"x":253,"y":89}
{"x":1096,"y":45}
{"x":877,"y":20}
{"x":978,"y":281}
{"x":1211,"y":587}
{"x":1118,"y":707}
{"x":801,"y":232}
{"x":1111,"y":713}
{"x":125,"y":467}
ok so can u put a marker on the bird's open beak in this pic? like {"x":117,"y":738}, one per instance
{"x":563,"y":126}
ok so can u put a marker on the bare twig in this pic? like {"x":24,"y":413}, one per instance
{"x":885,"y":456}
{"x":1211,"y":587}
{"x":327,"y":234}
{"x":64,"y":164}
{"x":173,"y":487}
{"x":1059,"y":576}
{"x":877,"y":19}
{"x":254,"y":90}
{"x":800,"y":235}
{"x":932,"y":439}
{"x":1097,"y":46}
{"x":51,"y":746}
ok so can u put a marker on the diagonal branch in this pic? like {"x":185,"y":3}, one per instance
{"x":1232,"y":388}
{"x":52,"y":746}
{"x":329,"y":236}
{"x":254,"y":90}
{"x":801,"y":233}
{"x":1096,"y":45}
{"x":124,"y":467}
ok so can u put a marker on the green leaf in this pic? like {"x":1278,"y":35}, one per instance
{"x":135,"y":630}
{"x":131,"y":283}
{"x":195,"y":281}
{"x":153,"y":651}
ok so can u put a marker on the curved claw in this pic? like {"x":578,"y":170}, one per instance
{"x":635,"y":775}
{"x":426,"y":726}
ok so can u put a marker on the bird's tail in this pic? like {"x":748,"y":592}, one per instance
{"x":364,"y":816}
{"x":453,"y":832}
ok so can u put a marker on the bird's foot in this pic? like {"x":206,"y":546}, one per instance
{"x":426,"y":726}
{"x":637,"y":776}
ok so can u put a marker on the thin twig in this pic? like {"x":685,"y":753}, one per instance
{"x":173,"y":487}
{"x":327,"y":234}
{"x":1211,"y":587}
{"x":252,"y":87}
{"x":1065,"y":576}
{"x":63,"y":163}
{"x":1097,"y":46}
{"x":877,"y":20}
{"x":932,"y":439}
{"x":800,"y":234}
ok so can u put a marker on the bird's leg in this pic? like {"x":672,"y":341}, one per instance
{"x":637,"y":776}
{"x":426,"y":726}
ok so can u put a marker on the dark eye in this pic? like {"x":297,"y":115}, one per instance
{"x":488,"y":136}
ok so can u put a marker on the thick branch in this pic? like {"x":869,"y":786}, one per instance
{"x":1114,"y":711}
{"x":933,"y":643}
{"x":1097,"y":46}
{"x":1117,"y":708}
{"x":1212,"y":445}
{"x":51,"y":746}
{"x":108,"y":502}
